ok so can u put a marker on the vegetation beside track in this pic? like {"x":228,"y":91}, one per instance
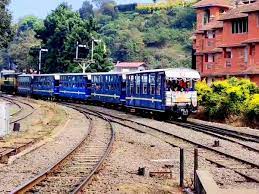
{"x":231,"y":100}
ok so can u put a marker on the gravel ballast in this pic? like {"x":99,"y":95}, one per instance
{"x":53,"y":149}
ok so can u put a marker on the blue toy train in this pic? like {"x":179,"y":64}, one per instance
{"x":166,"y":91}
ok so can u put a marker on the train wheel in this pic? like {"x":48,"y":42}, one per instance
{"x":184,"y":118}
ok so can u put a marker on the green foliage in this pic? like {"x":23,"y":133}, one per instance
{"x":182,"y":17}
{"x":203,"y":90}
{"x":229,"y":97}
{"x":6,"y":32}
{"x":30,"y":23}
{"x":19,"y":50}
{"x":149,"y":8}
{"x":150,"y":37}
{"x":252,"y":107}
{"x":86,"y":11}
{"x":62,"y":29}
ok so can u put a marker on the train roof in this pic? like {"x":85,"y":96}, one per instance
{"x":109,"y":73}
{"x":56,"y":76}
{"x":174,"y":73}
{"x":76,"y":74}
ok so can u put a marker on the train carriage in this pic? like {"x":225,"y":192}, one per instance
{"x":45,"y":85}
{"x":8,"y":81}
{"x":75,"y":86}
{"x":108,"y":87}
{"x":24,"y":83}
{"x":164,"y":90}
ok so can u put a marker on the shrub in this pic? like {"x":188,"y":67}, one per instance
{"x":229,"y":97}
{"x":252,"y":107}
{"x":203,"y":90}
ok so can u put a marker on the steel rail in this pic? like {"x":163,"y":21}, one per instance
{"x":222,"y":131}
{"x":18,"y":105}
{"x":31,"y":183}
{"x":179,"y":137}
{"x":24,"y":103}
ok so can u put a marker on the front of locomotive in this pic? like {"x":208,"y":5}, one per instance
{"x":181,"y":97}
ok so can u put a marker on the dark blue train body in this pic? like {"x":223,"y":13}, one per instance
{"x":146,"y":90}
{"x":169,"y":91}
{"x":45,"y":85}
{"x":108,"y":87}
{"x":24,"y":83}
{"x":75,"y":86}
{"x":163,"y":90}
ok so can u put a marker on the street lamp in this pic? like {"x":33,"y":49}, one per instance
{"x":41,"y":50}
{"x":93,"y":41}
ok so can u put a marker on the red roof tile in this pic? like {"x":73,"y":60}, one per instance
{"x":213,"y":25}
{"x":234,"y":13}
{"x":129,"y":64}
{"x":252,"y":40}
{"x":215,"y":50}
{"x":231,"y":45}
{"x":209,"y":3}
{"x":251,"y":7}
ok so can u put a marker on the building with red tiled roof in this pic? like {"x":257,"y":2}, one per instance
{"x":226,"y":41}
{"x":130,"y":66}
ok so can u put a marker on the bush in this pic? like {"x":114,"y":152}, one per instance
{"x":229,"y":97}
{"x":203,"y":90}
{"x":252,"y":107}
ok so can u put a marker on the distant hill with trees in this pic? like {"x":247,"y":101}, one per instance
{"x":158,"y":34}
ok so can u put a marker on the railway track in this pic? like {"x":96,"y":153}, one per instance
{"x":74,"y":171}
{"x":218,"y":130}
{"x":23,"y":112}
{"x":247,"y":169}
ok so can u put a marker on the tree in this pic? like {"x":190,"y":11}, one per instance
{"x":5,"y":24}
{"x":30,"y":23}
{"x":19,"y":50}
{"x":62,"y":29}
{"x":86,"y":11}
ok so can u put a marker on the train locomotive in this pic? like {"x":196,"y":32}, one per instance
{"x":167,"y":92}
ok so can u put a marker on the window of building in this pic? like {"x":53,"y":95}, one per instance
{"x":211,"y":34}
{"x":206,"y":58}
{"x":206,"y":17}
{"x":240,"y":26}
{"x":228,"y":54}
{"x":211,"y":58}
{"x":252,"y":50}
{"x":246,"y":54}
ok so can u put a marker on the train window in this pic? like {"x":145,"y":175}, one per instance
{"x":158,"y":88}
{"x":144,"y":84}
{"x":137,"y":84}
{"x":152,"y":84}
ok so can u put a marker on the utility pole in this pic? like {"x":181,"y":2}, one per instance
{"x":40,"y":53}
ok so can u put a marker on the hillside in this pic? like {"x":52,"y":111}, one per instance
{"x":161,"y":38}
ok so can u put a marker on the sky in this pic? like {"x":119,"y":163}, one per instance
{"x":41,"y":8}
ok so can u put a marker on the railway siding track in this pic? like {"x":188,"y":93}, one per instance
{"x":217,"y":130}
{"x":6,"y":152}
{"x":22,"y":113}
{"x":245,"y":168}
{"x":75,"y":170}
